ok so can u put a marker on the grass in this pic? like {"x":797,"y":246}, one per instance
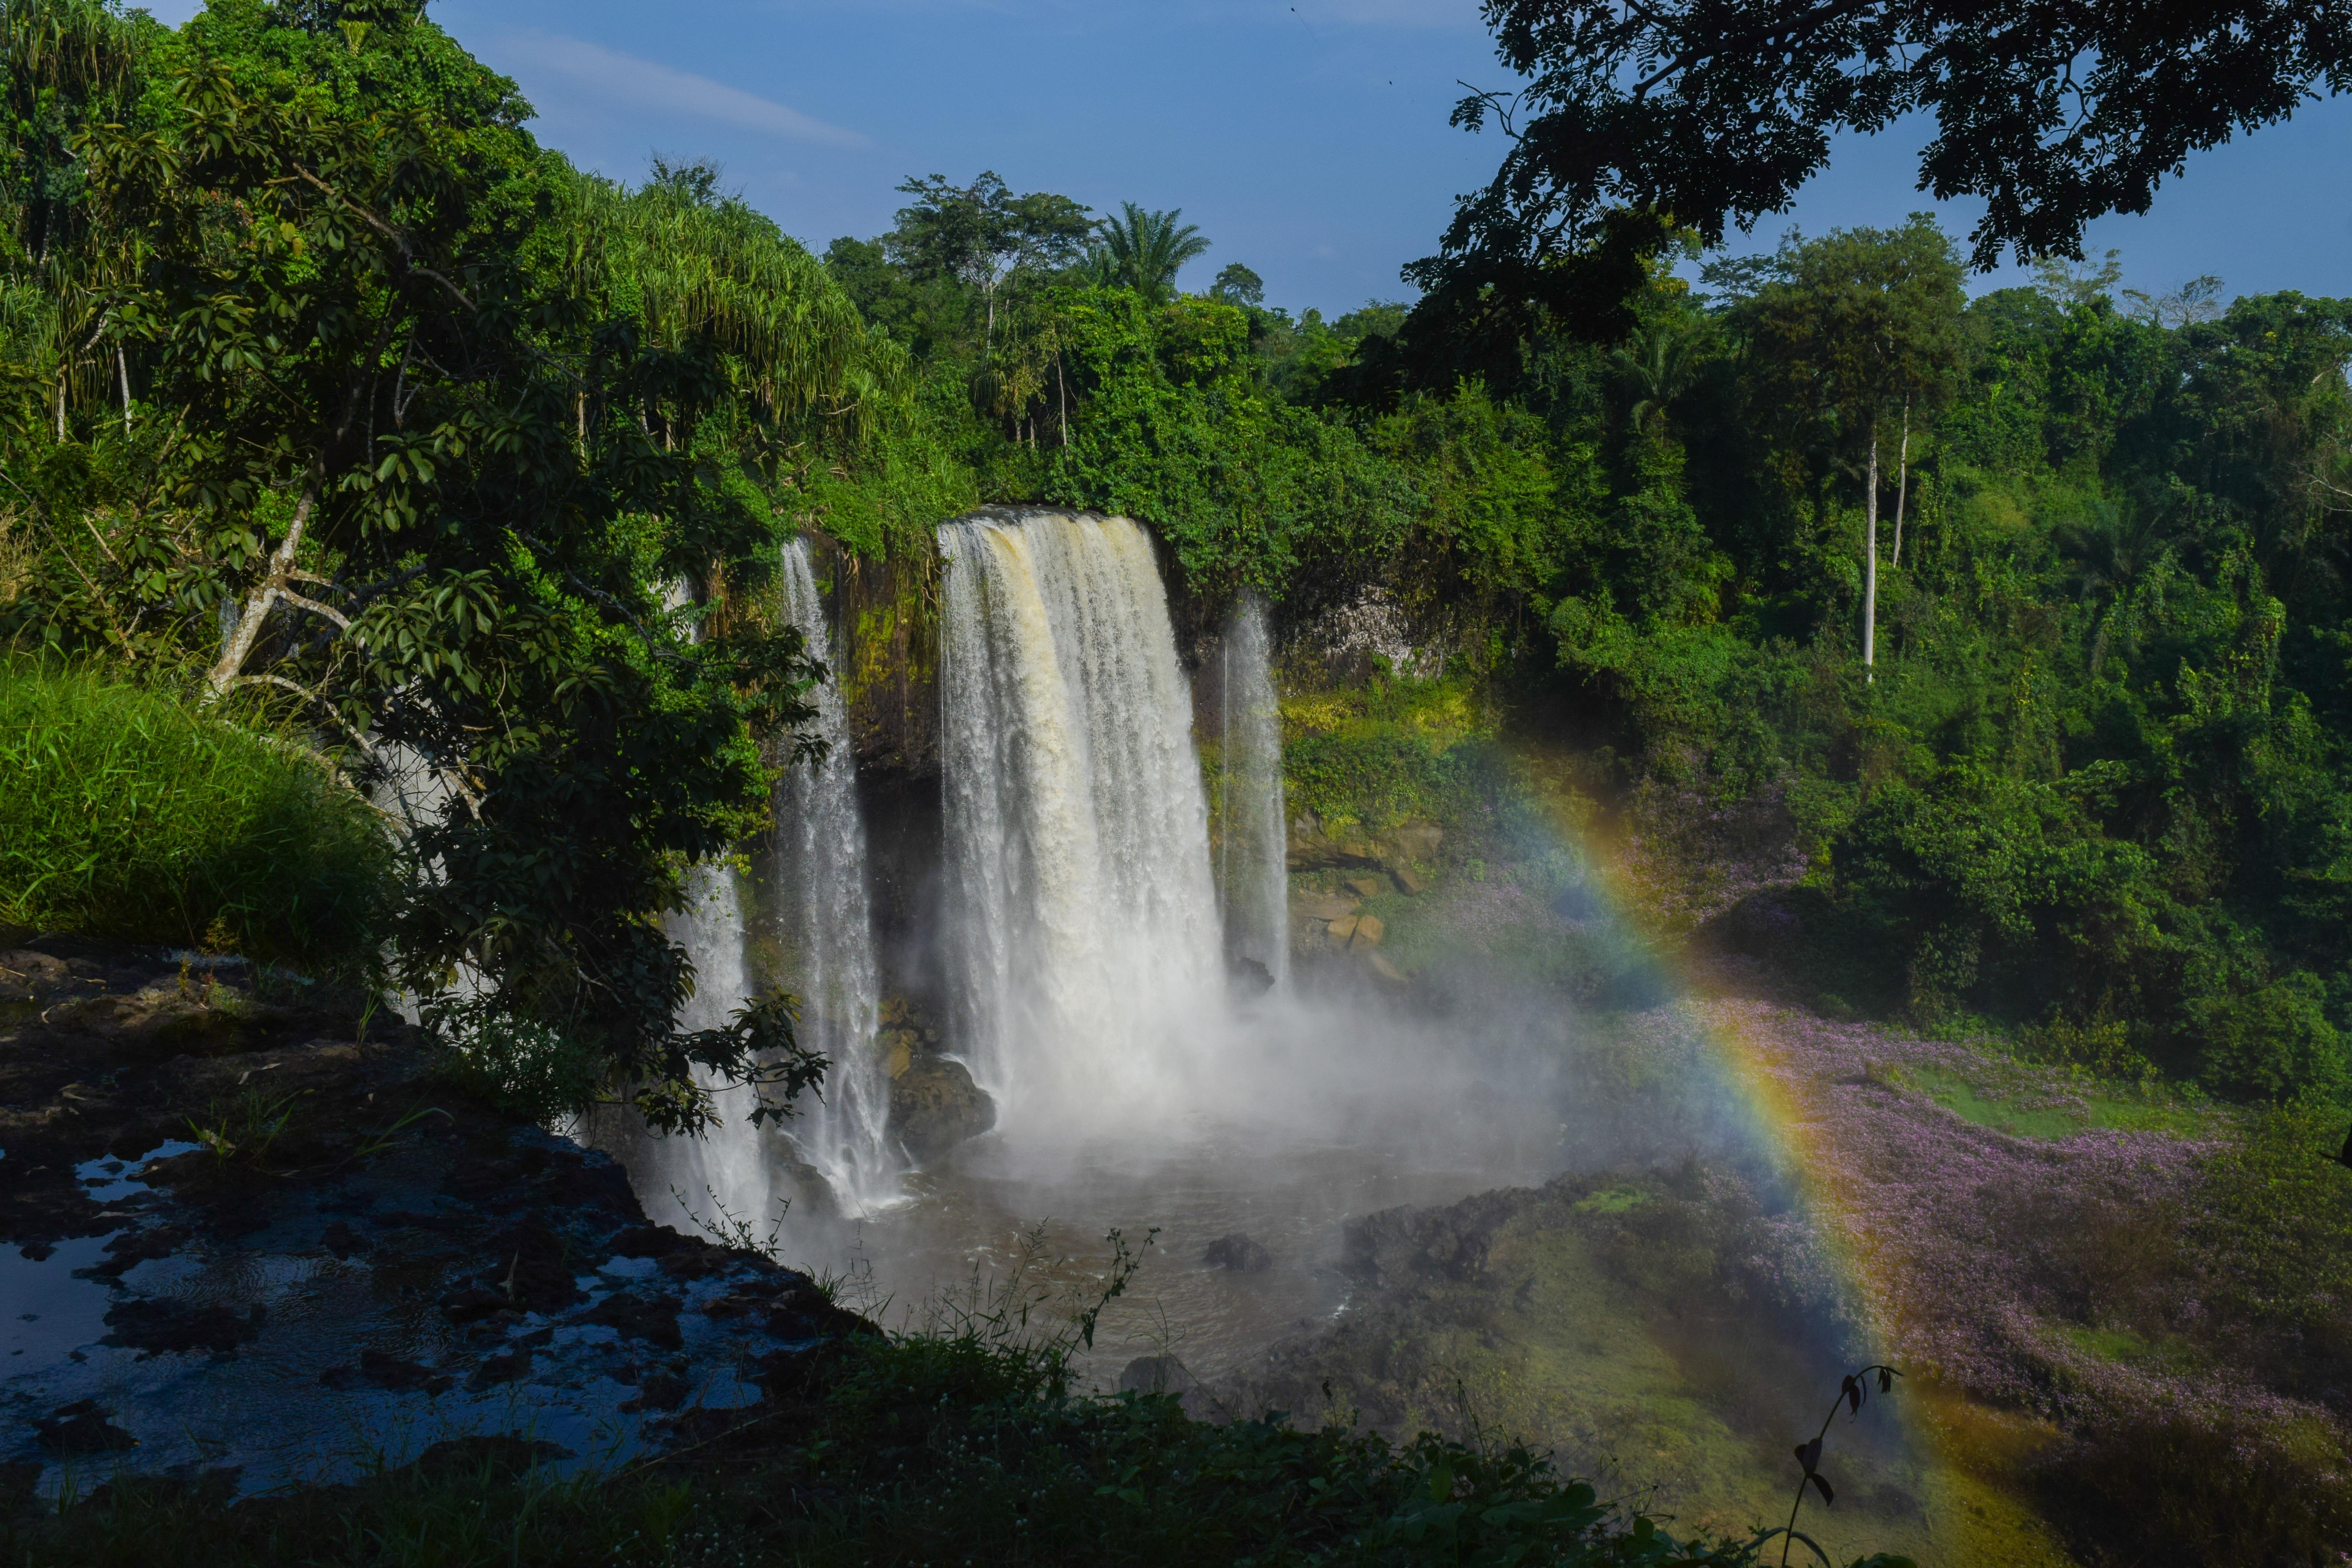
{"x":2011,"y":1107}
{"x":128,"y":815}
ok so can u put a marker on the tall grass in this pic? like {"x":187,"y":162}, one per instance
{"x":127,"y":815}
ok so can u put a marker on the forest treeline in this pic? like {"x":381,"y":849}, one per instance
{"x":322,"y":383}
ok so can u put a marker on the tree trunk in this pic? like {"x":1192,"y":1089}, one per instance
{"x":254,"y":611}
{"x":122,"y":373}
{"x":1902,"y":484}
{"x":1870,"y":565}
{"x":1063,"y":391}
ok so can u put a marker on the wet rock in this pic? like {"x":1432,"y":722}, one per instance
{"x":537,"y":1272}
{"x":133,"y":1248}
{"x":1418,"y":840}
{"x":1409,"y":881}
{"x":17,"y":1483}
{"x":1385,"y":971}
{"x":1250,"y":978}
{"x":662,"y":1389}
{"x":341,"y":1240}
{"x":504,"y":1456}
{"x":30,"y":976}
{"x":82,"y":1427}
{"x":1369,"y":931}
{"x":394,"y":1375}
{"x":649,"y":1241}
{"x":511,"y":1365}
{"x":1238,"y":1253}
{"x":653,"y":1318}
{"x":165,"y":1020}
{"x":934,"y":1106}
{"x":1367,"y":887}
{"x":1322,"y":906}
{"x":1342,"y":930}
{"x":153,"y":1325}
{"x":1155,"y":1374}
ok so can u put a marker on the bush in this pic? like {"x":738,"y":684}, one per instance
{"x":126,"y":815}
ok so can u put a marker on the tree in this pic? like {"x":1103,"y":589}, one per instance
{"x":1859,"y":330}
{"x":446,"y":422}
{"x":1145,"y":250}
{"x":1715,"y":111}
{"x":1237,"y":285}
{"x":981,"y":234}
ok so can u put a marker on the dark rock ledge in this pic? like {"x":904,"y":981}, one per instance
{"x":238,"y":1236}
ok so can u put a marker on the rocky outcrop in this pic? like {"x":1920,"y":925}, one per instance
{"x":1405,"y":852}
{"x":934,"y":1106}
{"x":237,"y":1220}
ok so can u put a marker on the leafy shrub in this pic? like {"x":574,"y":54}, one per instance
{"x":2273,"y":1040}
{"x":127,"y":815}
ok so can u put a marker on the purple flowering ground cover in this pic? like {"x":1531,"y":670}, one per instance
{"x":2120,"y":1268}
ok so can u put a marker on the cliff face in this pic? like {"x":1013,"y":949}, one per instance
{"x":886,"y":615}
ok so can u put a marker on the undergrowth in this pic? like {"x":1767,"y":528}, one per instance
{"x":126,"y":815}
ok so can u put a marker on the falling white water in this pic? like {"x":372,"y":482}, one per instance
{"x":825,"y":921}
{"x":723,"y":1174}
{"x":726,"y":1167}
{"x":1253,"y":859}
{"x":1083,"y":934}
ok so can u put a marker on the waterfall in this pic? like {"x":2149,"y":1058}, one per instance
{"x":1083,"y":935}
{"x":728,"y":1165}
{"x":1253,"y":859}
{"x":826,"y":926}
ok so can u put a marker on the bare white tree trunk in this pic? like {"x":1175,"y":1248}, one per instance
{"x":255,"y":613}
{"x":123,"y":373}
{"x":1902,"y":484}
{"x":1870,"y":565}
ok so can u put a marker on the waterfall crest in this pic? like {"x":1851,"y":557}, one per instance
{"x":824,"y":920}
{"x":1083,"y":930}
{"x":1253,"y":859}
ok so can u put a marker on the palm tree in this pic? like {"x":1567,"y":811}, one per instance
{"x":1658,"y":360}
{"x":1145,"y":250}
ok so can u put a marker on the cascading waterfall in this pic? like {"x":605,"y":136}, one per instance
{"x":727,"y":1167}
{"x":825,"y":923}
{"x":1253,"y":859}
{"x":1083,"y":931}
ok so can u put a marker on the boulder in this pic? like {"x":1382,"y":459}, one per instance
{"x":29,"y":976}
{"x":1154,"y":1375}
{"x":1238,"y":1253}
{"x":1367,"y":887}
{"x":1341,"y":930}
{"x":1369,"y":931}
{"x":1419,"y":840}
{"x":934,"y":1106}
{"x":1322,"y":906}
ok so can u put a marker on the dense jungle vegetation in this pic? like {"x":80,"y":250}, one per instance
{"x":331,"y":398}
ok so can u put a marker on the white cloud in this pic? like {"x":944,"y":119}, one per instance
{"x":642,"y":84}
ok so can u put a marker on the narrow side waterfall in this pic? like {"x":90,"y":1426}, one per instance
{"x":1082,"y":920}
{"x":1253,"y":859}
{"x":727,"y":1166}
{"x":827,"y":928}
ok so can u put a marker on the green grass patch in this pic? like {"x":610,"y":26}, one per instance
{"x":127,"y":815}
{"x":2012,"y":1108}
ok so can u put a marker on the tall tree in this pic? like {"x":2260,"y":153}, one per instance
{"x":981,"y":233}
{"x":1715,"y":111}
{"x":1859,"y":331}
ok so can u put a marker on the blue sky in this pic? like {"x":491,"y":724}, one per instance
{"x":1307,"y":141}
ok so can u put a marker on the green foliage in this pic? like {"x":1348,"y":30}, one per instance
{"x":127,"y":814}
{"x":421,"y":428}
